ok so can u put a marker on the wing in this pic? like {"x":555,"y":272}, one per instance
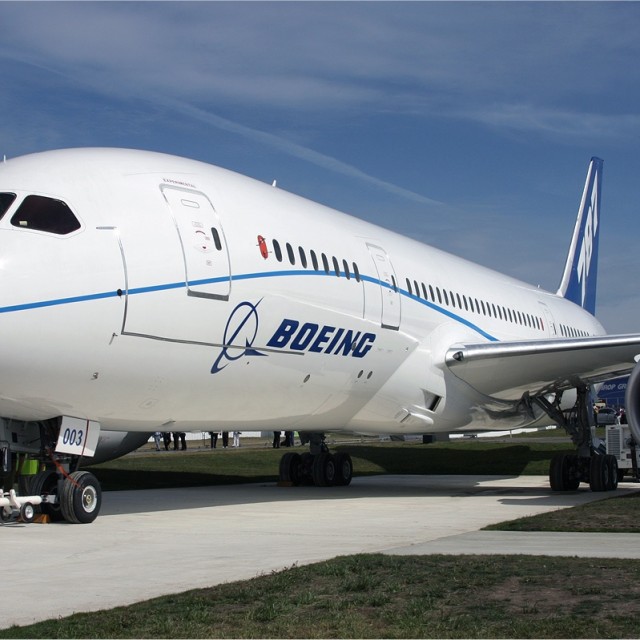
{"x":507,"y":370}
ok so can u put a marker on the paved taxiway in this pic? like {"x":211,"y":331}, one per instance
{"x":150,"y":543}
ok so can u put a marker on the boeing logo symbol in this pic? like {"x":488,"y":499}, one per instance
{"x":241,"y":329}
{"x":291,"y":336}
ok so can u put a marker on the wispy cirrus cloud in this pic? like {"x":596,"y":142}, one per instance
{"x":562,"y":122}
{"x":429,"y":58}
{"x":299,"y":151}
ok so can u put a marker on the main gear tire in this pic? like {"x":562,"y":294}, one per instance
{"x":80,"y":497}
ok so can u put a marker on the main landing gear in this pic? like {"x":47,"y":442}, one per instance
{"x":318,"y":467}
{"x":590,"y":464}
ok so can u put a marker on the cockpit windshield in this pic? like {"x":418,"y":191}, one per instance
{"x":45,"y":214}
{"x":6,"y":199}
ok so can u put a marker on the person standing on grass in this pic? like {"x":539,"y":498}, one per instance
{"x":236,"y":438}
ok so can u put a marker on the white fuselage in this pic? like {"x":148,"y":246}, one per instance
{"x":101,"y":324}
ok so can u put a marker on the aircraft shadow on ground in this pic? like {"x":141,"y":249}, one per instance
{"x":262,"y":493}
{"x":473,"y":460}
{"x":416,"y":474}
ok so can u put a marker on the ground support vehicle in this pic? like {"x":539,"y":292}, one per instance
{"x":621,"y":444}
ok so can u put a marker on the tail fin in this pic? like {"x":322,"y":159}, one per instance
{"x":578,"y":282}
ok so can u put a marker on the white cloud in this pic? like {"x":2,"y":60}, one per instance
{"x":526,"y":117}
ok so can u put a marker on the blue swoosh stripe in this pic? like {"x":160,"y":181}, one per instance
{"x":247,"y":276}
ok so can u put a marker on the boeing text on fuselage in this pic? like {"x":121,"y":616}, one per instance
{"x":241,"y":332}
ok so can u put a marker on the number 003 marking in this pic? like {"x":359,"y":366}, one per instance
{"x":78,"y":437}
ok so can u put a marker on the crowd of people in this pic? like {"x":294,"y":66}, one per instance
{"x":164,"y":439}
{"x":286,"y":442}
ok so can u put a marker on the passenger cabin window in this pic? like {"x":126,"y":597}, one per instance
{"x":45,"y":214}
{"x":278,"y":250}
{"x":291,"y":254}
{"x":336,"y":266}
{"x":6,"y":200}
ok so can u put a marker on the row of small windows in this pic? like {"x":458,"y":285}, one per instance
{"x":41,"y":214}
{"x":455,"y":300}
{"x":322,"y":263}
{"x":428,"y":292}
{"x":572,"y":332}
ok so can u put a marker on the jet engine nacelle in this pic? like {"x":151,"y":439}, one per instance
{"x":114,"y":444}
{"x":632,"y":402}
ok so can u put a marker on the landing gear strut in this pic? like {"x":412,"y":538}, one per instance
{"x":591,"y":464}
{"x":319,"y":467}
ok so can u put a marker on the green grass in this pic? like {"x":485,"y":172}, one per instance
{"x":611,"y":515}
{"x":376,"y":596}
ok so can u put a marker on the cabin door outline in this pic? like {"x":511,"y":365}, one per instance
{"x":552,"y":330}
{"x":390,"y":296}
{"x":207,"y":265}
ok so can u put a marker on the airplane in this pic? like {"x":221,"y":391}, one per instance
{"x":146,"y":292}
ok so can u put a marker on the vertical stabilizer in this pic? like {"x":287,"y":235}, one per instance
{"x":581,"y":269}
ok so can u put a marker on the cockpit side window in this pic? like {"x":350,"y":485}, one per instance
{"x":45,"y":214}
{"x":6,"y":200}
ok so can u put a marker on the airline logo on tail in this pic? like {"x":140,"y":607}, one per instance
{"x":581,"y":269}
{"x":588,"y":241}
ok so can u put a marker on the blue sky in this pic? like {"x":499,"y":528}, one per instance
{"x":465,"y":125}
